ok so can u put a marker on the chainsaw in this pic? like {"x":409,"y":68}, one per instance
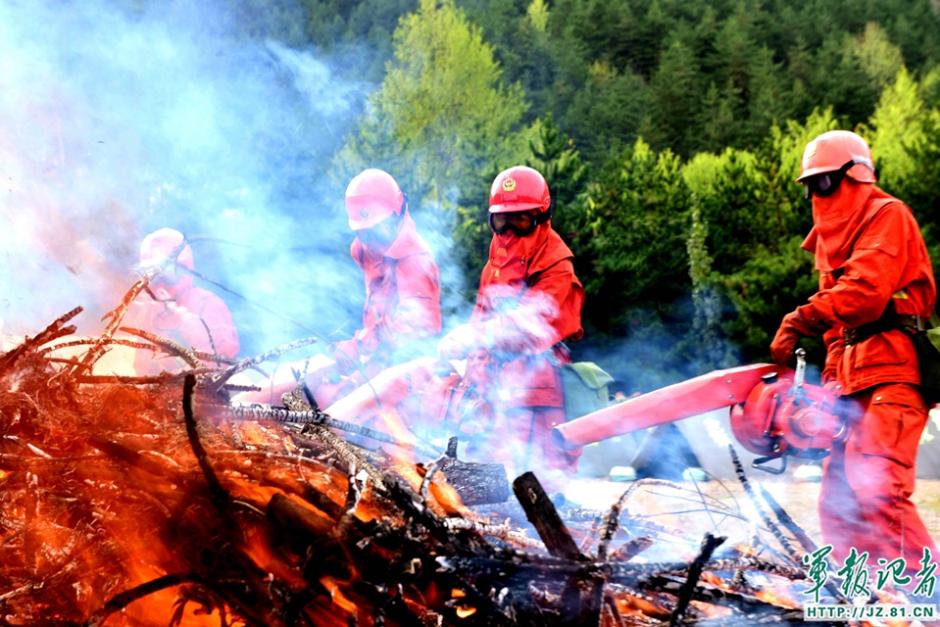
{"x":774,"y":412}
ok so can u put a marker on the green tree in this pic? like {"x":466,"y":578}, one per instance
{"x":768,"y":103}
{"x":779,"y":157}
{"x":840,"y":81}
{"x":878,"y":56}
{"x":735,"y":49}
{"x":922,"y":191}
{"x":930,"y":87}
{"x":706,"y":332}
{"x":730,"y":194}
{"x":904,"y":134}
{"x":608,"y":111}
{"x":442,"y":115}
{"x":529,"y":53}
{"x":770,"y":284}
{"x":800,"y":73}
{"x":923,"y":188}
{"x":639,"y":208}
{"x":775,"y":275}
{"x":895,"y":126}
{"x":555,"y":156}
{"x":357,"y":36}
{"x":538,"y":15}
{"x":676,"y":89}
{"x":715,"y":123}
{"x":602,"y":28}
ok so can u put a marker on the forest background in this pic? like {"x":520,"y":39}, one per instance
{"x":670,"y":132}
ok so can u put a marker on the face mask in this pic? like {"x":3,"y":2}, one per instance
{"x":836,"y":218}
{"x":163,"y":274}
{"x":380,"y":235}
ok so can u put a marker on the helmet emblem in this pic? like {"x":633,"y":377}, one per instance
{"x":509,"y":184}
{"x":363,"y":214}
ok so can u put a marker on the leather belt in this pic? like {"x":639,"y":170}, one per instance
{"x":887,"y":322}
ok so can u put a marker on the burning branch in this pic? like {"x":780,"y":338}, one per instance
{"x":114,"y":507}
{"x":791,"y":551}
{"x":116,"y":315}
{"x":90,"y":342}
{"x":123,"y":599}
{"x":709,"y":544}
{"x":52,"y":332}
{"x":219,"y":380}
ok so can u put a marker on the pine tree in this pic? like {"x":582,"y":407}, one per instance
{"x":606,"y":114}
{"x":442,"y":114}
{"x":676,"y":89}
{"x":878,"y":56}
{"x":639,"y":207}
{"x":706,"y":331}
{"x":555,"y":156}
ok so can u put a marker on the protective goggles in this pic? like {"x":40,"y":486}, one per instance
{"x":522,"y":223}
{"x":827,"y":183}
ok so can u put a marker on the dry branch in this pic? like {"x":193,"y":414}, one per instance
{"x":105,"y":490}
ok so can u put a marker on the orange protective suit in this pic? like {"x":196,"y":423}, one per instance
{"x":402,"y":307}
{"x":871,"y":258}
{"x":176,"y":309}
{"x":403,"y":297}
{"x":191,"y":316}
{"x":529,"y":301}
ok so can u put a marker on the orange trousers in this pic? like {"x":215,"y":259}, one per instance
{"x":868,"y":479}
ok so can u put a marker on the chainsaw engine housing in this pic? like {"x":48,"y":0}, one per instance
{"x":780,"y":418}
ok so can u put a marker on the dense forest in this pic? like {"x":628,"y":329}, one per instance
{"x":670,"y":132}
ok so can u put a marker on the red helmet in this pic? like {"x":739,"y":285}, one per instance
{"x":159,"y":245}
{"x":372,"y":196}
{"x":517,"y":189}
{"x":834,"y":150}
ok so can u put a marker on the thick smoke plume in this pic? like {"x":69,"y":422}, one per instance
{"x":115,"y":121}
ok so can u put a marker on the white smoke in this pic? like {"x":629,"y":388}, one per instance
{"x":115,"y":122}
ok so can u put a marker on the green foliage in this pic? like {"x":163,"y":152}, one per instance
{"x":538,"y":15}
{"x":676,"y":88}
{"x":705,"y":337}
{"x":358,"y":35}
{"x":729,"y":191}
{"x":442,"y":113}
{"x":608,"y":111}
{"x":879,"y":57}
{"x":638,"y":207}
{"x":555,"y":156}
{"x":670,"y":132}
{"x":780,"y":157}
{"x":771,"y":283}
{"x":839,"y":79}
{"x":921,"y":187}
{"x":896,"y":125}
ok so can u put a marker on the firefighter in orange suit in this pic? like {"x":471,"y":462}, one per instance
{"x":875,"y":279}
{"x":528,"y":303}
{"x":175,"y":308}
{"x":403,"y":295}
{"x":402,"y":282}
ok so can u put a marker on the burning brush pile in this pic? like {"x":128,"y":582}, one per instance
{"x":151,"y":501}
